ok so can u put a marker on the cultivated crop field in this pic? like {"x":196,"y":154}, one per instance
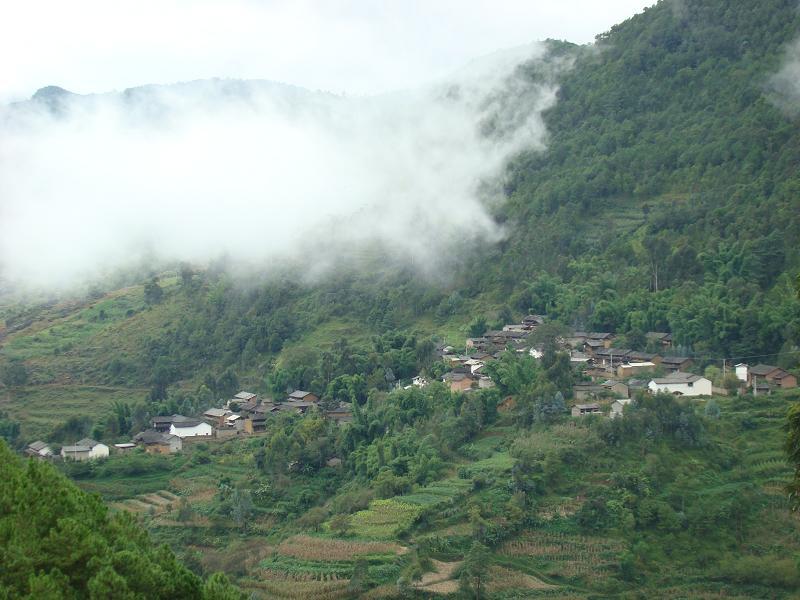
{"x":317,"y":548}
{"x":565,"y":555}
{"x":385,"y":519}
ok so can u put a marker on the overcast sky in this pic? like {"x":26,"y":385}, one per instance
{"x":343,"y":46}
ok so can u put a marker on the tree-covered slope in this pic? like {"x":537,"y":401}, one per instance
{"x":668,"y":197}
{"x":59,"y":542}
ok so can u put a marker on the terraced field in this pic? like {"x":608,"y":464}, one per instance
{"x":155,"y":503}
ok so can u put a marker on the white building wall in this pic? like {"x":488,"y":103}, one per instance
{"x":701,"y":387}
{"x":99,"y":451}
{"x":203,"y":429}
{"x":741,"y":372}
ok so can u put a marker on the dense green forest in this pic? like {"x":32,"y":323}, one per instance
{"x":59,"y":542}
{"x":668,"y":199}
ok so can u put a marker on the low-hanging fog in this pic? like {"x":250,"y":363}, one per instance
{"x":260,"y":172}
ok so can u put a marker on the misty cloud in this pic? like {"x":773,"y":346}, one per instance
{"x":784,"y":86}
{"x":260,"y":171}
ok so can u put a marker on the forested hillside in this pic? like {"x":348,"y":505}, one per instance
{"x":667,"y":200}
{"x":668,"y":197}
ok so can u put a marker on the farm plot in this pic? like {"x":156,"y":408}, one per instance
{"x":502,"y":579}
{"x":441,"y":580}
{"x":291,"y":589}
{"x":566,"y":556}
{"x":318,"y":548}
{"x":437,"y":493}
{"x":155,"y":503}
{"x":385,"y":519}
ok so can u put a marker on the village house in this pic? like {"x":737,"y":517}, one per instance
{"x":302,"y":396}
{"x":618,"y":406}
{"x":581,"y":410}
{"x":186,"y":427}
{"x":610,"y":358}
{"x":248,"y":407}
{"x":592,"y":346}
{"x":742,"y":371}
{"x":216,"y":416}
{"x":124,"y":448}
{"x":658,"y":337}
{"x":474,"y":365}
{"x":774,"y":376}
{"x":162,"y":423}
{"x":477,"y":343}
{"x":458,"y":382}
{"x":587,"y":391}
{"x":39,"y":449}
{"x":615,"y":387}
{"x":158,"y":442}
{"x":242,"y":397}
{"x":637,"y":356}
{"x":676,"y":363}
{"x":299,"y":406}
{"x":681,"y":384}
{"x":605,"y":338}
{"x":576,"y":340}
{"x":419,"y":381}
{"x":579,"y":358}
{"x":341,"y":414}
{"x":514,"y":327}
{"x":629,"y":369}
{"x":532,"y":321}
{"x":85,"y":449}
{"x":254,"y":423}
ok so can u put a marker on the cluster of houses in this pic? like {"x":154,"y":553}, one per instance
{"x":243,"y":414}
{"x":658,"y":370}
{"x":593,"y":352}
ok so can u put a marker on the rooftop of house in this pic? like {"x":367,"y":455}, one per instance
{"x":151,"y":436}
{"x":611,"y":383}
{"x":763,"y":369}
{"x":658,"y":335}
{"x":453,"y":376}
{"x":245,"y":396}
{"x":678,"y":377}
{"x":216,"y":412}
{"x":615,"y":352}
{"x":187,"y":422}
{"x":77,"y":448}
{"x":88,"y":442}
{"x":299,"y":394}
{"x":592,"y":406}
{"x":125,"y":445}
{"x":37,"y":445}
{"x":600,"y":335}
{"x":642,"y":356}
{"x":674,"y":360}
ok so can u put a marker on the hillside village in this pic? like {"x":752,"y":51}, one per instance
{"x":608,"y":380}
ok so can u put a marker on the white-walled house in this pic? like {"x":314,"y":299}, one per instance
{"x":681,"y":384}
{"x":742,"y":372}
{"x":186,"y":427}
{"x":85,"y":449}
{"x":618,"y":406}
